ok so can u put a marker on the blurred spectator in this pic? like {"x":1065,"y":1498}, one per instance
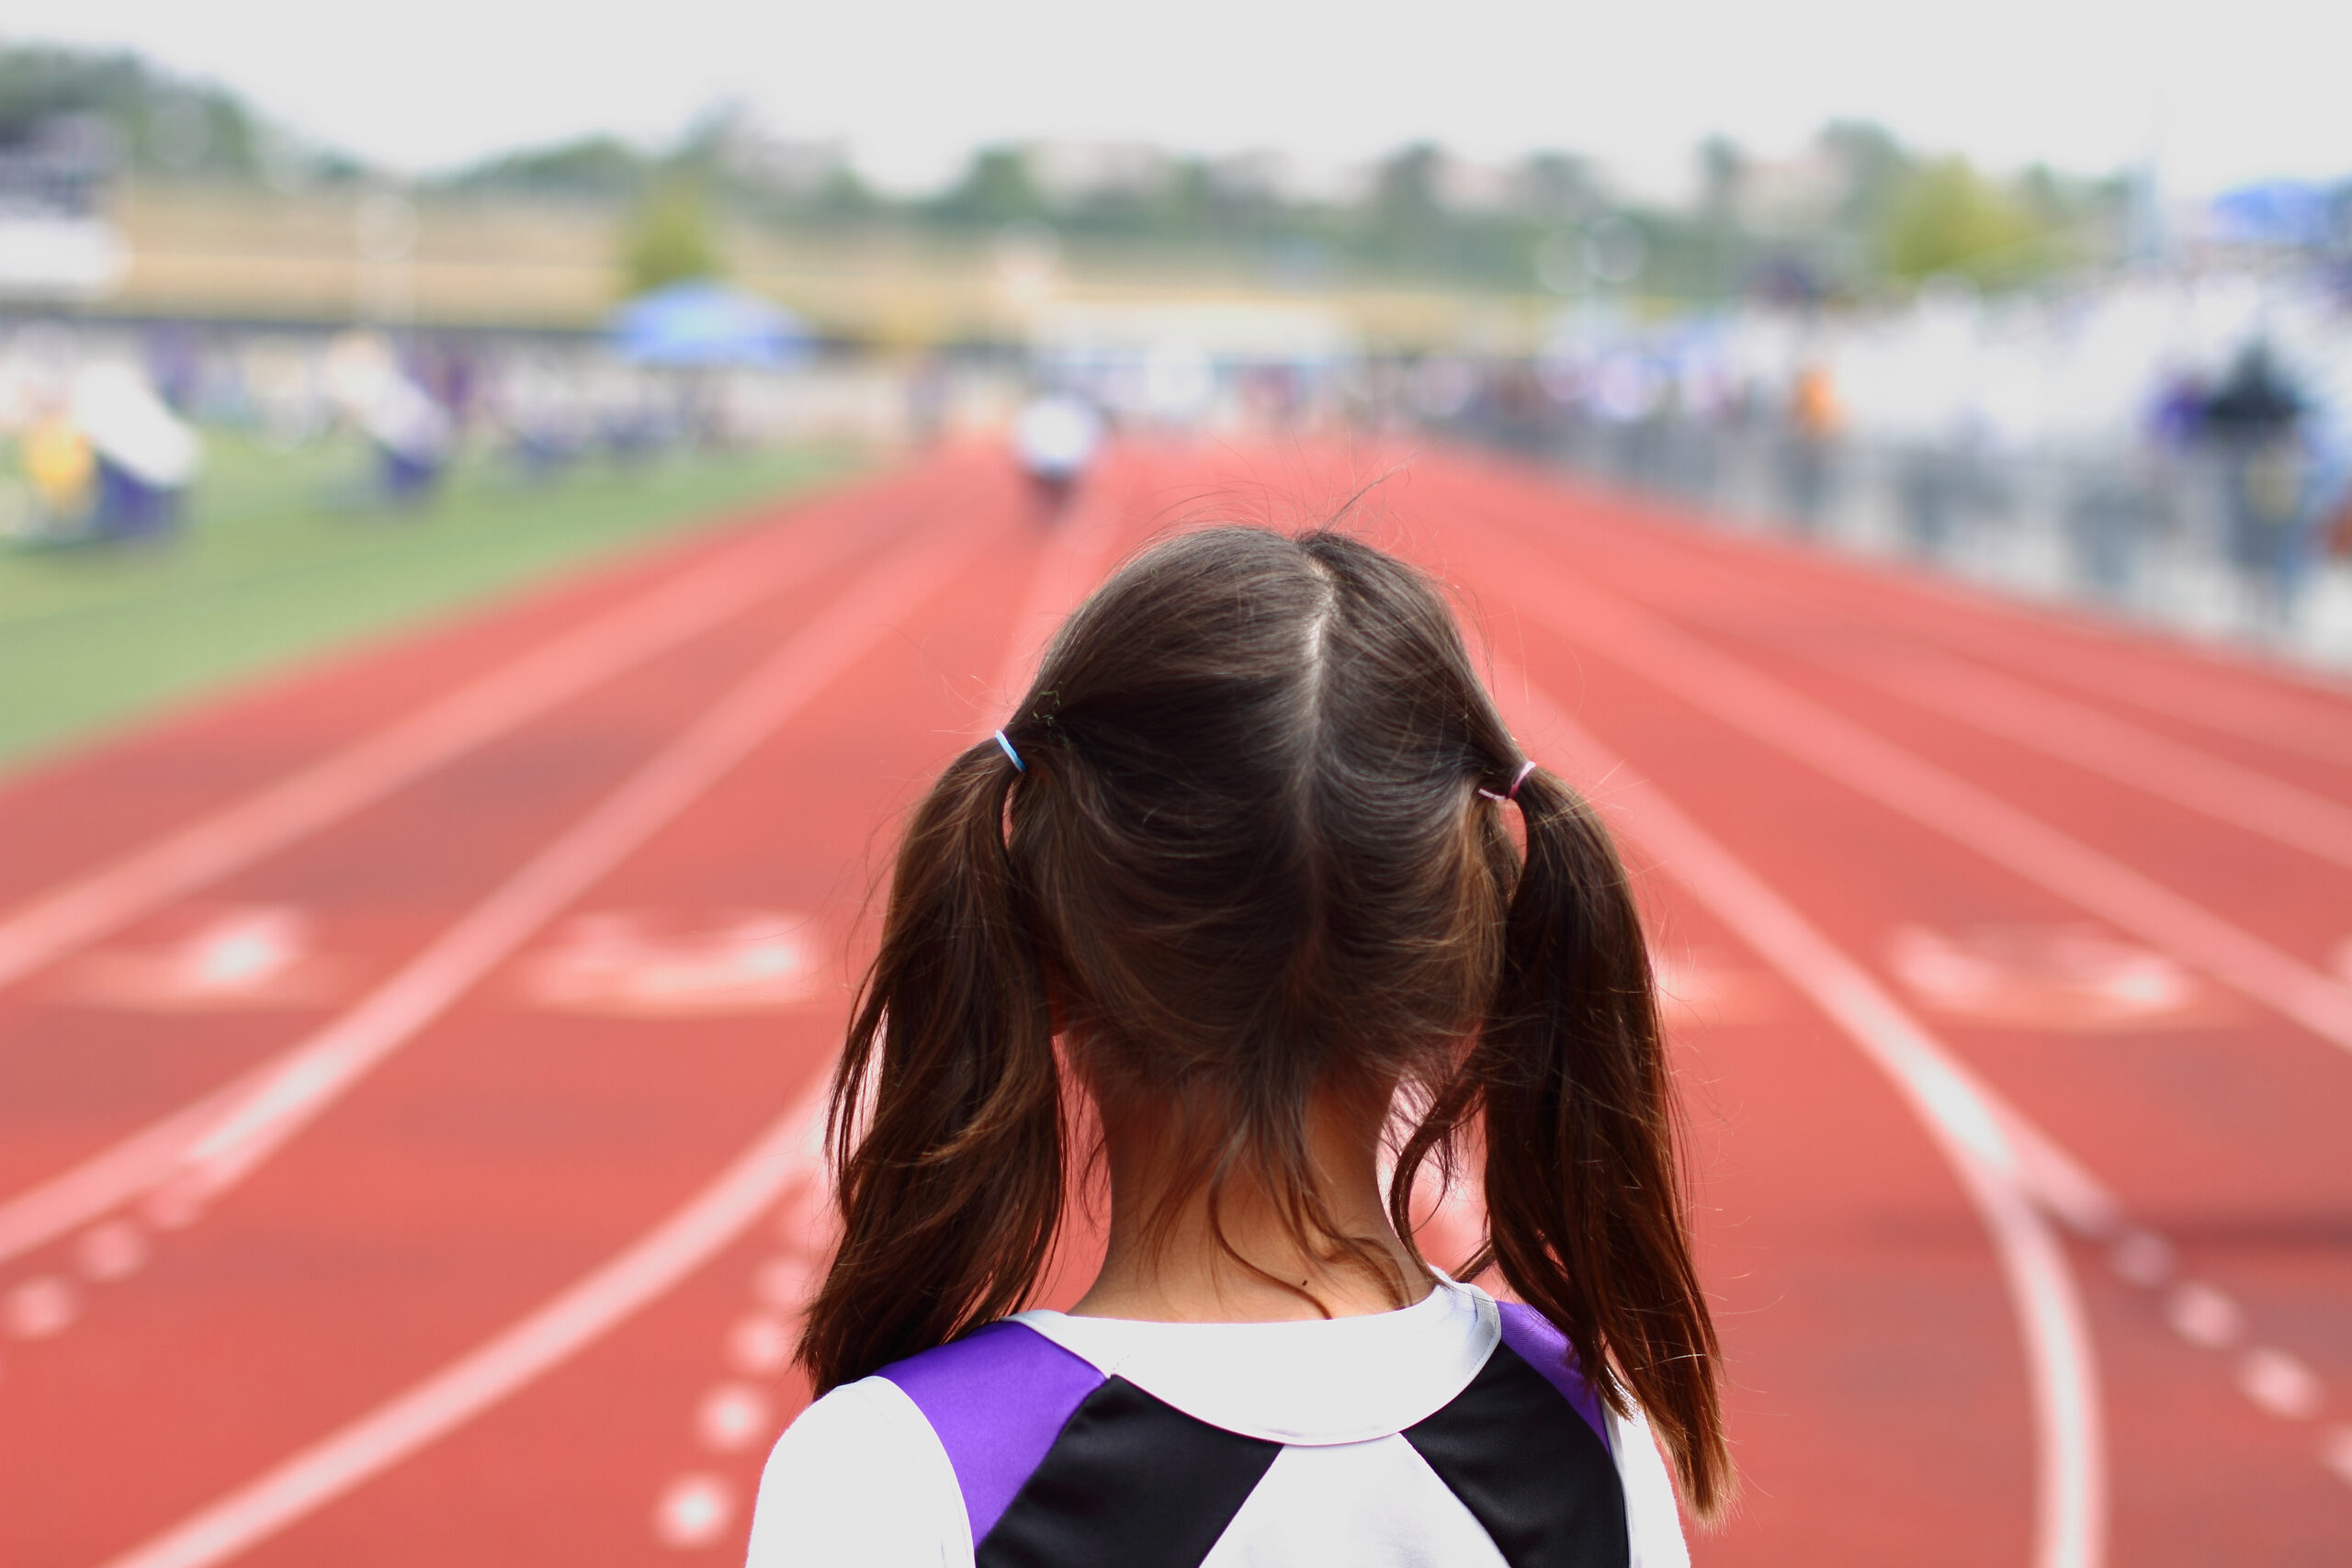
{"x":1813,"y":419}
{"x":411,"y":433}
{"x":2177,"y":416}
{"x":2251,"y":420}
{"x":61,"y":470}
{"x":146,"y":456}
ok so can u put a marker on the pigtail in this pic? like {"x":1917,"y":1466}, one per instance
{"x":1584,"y":1205}
{"x":946,"y":1133}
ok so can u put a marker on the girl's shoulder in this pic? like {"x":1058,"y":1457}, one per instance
{"x":911,"y":1465}
{"x":860,"y":1476}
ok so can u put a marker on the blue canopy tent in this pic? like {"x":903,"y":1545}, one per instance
{"x":2274,"y":213}
{"x":702,"y":323}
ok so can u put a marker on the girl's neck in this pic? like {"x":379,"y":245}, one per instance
{"x":1185,"y":1274}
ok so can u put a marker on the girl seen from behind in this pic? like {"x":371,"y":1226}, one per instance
{"x":1239,"y":880}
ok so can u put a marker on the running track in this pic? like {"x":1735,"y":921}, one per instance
{"x":406,"y":1069}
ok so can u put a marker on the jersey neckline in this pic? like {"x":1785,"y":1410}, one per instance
{"x":1313,"y":1382}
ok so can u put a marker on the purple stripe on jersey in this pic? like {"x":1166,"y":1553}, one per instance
{"x":998,"y":1398}
{"x":1545,"y":1348}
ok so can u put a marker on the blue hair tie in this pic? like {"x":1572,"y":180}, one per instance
{"x":1009,"y":752}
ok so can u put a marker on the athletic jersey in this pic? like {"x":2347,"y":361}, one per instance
{"x":1454,"y":1432}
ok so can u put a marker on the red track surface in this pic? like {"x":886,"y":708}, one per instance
{"x":2118,"y":991}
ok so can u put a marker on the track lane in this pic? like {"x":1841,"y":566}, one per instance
{"x":82,"y":1064}
{"x":354,"y":1199}
{"x":2272,"y":719}
{"x":2252,"y":1159}
{"x":1981,"y":1140}
{"x":69,"y":876}
{"x":782,"y":1161}
{"x":818,"y":848}
{"x":2214,"y":691}
{"x":1831,"y":1247}
{"x":2278,"y":886}
{"x":80,"y":1072}
{"x":251,"y":1117}
{"x":1863,"y":642}
{"x":2282,"y":874}
{"x":1947,"y":802}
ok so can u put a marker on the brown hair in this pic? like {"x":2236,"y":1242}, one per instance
{"x":1247,"y":863}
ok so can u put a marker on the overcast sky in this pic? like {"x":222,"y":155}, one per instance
{"x":2256,"y":87}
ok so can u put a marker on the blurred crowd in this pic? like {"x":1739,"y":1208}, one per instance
{"x":109,"y":424}
{"x":2179,"y":444}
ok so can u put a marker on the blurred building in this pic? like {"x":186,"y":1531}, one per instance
{"x":58,"y":243}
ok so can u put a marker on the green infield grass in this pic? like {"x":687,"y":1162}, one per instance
{"x":287,"y":556}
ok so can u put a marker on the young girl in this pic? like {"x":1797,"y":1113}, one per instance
{"x":1239,"y":874}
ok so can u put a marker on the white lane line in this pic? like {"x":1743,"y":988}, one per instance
{"x":785,"y":1162}
{"x":40,"y":1306}
{"x":2308,"y":726}
{"x":759,"y":1344}
{"x":2205,"y":1315}
{"x":1782,"y":718}
{"x":2335,"y":1452}
{"x":2082,"y":735}
{"x":694,"y":1510}
{"x":1994,"y":1150}
{"x":114,"y":1250}
{"x":327,"y":791}
{"x":732,"y":1416}
{"x":2280,"y":1383}
{"x":199,"y":1150}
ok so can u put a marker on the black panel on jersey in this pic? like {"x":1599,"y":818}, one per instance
{"x":1529,"y":1469}
{"x":1130,"y":1482}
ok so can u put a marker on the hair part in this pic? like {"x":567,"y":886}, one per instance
{"x":1248,"y":866}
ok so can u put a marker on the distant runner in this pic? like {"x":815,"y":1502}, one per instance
{"x":1055,"y":439}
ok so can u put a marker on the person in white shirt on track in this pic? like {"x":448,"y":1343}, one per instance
{"x":1055,"y":438}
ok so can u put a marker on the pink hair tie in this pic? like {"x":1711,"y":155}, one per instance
{"x":1517,"y":779}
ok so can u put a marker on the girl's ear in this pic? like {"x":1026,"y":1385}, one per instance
{"x":947,"y":1130}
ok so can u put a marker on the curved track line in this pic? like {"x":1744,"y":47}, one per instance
{"x":279,"y":814}
{"x":199,"y":1150}
{"x":1781,"y":716}
{"x":785,"y":1162}
{"x":2303,"y":722}
{"x":1992,"y":1149}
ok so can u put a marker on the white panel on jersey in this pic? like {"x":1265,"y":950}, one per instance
{"x":860,"y":1478}
{"x":1375,"y":1505}
{"x":1652,"y":1523}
